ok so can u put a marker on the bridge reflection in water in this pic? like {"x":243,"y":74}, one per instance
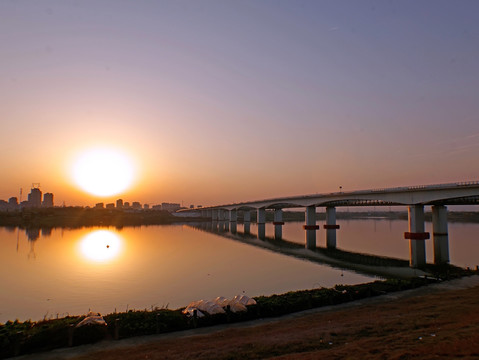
{"x":361,"y":263}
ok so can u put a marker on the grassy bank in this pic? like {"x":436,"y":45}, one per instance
{"x":74,"y":217}
{"x":28,"y":337}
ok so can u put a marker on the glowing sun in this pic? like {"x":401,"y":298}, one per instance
{"x":103,"y":172}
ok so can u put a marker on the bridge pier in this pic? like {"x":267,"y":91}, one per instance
{"x":233,"y":216}
{"x":416,"y":236}
{"x":261,"y":219}
{"x":278,"y":224}
{"x":247,"y":221}
{"x":214,"y":215}
{"x":440,"y":235}
{"x":331,"y":227}
{"x":310,"y":227}
{"x":222,"y":215}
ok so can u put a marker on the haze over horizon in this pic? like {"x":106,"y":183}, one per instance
{"x":227,"y":101}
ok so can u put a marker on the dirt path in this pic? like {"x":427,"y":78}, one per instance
{"x":439,"y":321}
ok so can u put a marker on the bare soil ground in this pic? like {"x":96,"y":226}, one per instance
{"x":431,"y":323}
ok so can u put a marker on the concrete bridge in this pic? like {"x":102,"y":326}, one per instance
{"x":414,"y":197}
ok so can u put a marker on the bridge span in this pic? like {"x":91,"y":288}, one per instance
{"x":414,"y":198}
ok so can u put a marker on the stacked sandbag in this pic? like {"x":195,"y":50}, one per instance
{"x":239,"y":303}
{"x":203,"y":306}
{"x":92,"y":319}
{"x":217,"y":306}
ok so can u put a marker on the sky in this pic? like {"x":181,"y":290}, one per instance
{"x":225,"y":101}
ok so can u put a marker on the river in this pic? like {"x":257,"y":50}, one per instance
{"x":59,"y":272}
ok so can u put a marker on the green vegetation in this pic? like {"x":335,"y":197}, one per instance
{"x":27,"y":337}
{"x":74,"y":217}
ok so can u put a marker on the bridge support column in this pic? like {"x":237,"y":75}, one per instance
{"x":232,"y":218}
{"x":331,"y":227}
{"x":214,"y":215}
{"x":261,"y":219}
{"x":440,"y":235}
{"x":208,"y":213}
{"x":247,"y":221}
{"x":416,"y":236}
{"x":278,"y":224}
{"x":310,"y":227}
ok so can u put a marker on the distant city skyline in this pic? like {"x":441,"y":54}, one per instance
{"x":215,"y":102}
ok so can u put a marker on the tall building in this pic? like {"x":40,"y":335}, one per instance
{"x":13,"y":201}
{"x":35,"y":197}
{"x":47,"y":200}
{"x":119,"y":203}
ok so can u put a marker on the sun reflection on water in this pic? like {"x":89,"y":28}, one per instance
{"x":101,"y":246}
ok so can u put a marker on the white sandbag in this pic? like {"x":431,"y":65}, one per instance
{"x":208,"y":307}
{"x":237,"y":307}
{"x":222,"y":301}
{"x":211,"y":308}
{"x":191,"y":312}
{"x":243,"y":299}
{"x":246,"y":300}
{"x":92,"y":319}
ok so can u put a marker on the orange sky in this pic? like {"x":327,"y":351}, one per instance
{"x":233,"y":101}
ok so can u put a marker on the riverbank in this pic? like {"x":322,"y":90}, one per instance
{"x":75,"y":217}
{"x":430,"y":322}
{"x":30,"y":337}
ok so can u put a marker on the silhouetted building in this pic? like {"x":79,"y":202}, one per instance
{"x":47,"y":200}
{"x":119,"y":203}
{"x":13,"y":201}
{"x":171,"y":207}
{"x":136,"y":205}
{"x":126,"y":205}
{"x":146,"y":206}
{"x":110,"y":206}
{"x":99,"y":206}
{"x":35,"y":197}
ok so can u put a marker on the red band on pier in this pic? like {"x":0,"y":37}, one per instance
{"x":440,"y":234}
{"x":278,"y":222}
{"x":330,"y":227}
{"x":416,"y":236}
{"x":310,"y":227}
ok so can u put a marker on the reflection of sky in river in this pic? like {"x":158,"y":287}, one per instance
{"x":72,"y":271}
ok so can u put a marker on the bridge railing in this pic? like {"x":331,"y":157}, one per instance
{"x":340,"y":193}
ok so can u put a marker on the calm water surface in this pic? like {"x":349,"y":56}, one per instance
{"x":45,"y":274}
